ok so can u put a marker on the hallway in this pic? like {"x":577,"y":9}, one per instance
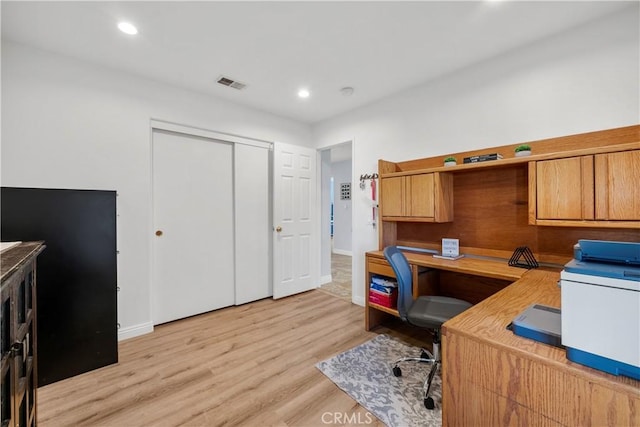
{"x":340,"y":285}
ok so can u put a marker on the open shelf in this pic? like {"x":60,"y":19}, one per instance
{"x":513,"y":161}
{"x":391,"y":311}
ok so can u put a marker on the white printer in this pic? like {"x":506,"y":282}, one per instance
{"x":600,"y":314}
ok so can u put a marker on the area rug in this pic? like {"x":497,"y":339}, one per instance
{"x":364,"y":373}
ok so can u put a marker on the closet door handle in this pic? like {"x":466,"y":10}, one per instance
{"x":158,"y":233}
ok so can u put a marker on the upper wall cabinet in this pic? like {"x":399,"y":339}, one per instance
{"x":600,"y":190}
{"x":617,"y":189}
{"x":422,"y":197}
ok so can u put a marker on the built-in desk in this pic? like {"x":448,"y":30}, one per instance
{"x":492,"y":377}
{"x":472,"y":278}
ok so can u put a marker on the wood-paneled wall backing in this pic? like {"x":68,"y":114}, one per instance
{"x":499,"y":205}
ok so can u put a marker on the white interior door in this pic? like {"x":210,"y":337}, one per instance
{"x":253,"y":223}
{"x":193,"y":246}
{"x":295,"y":260}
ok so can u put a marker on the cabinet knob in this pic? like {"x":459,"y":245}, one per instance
{"x":278,"y":229}
{"x":16,"y":348}
{"x":158,"y":232}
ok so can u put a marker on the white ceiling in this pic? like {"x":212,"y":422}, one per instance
{"x":379,"y":48}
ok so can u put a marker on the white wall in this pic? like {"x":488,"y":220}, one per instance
{"x":341,"y":172}
{"x":83,"y":126}
{"x":583,"y":80}
{"x":70,"y":124}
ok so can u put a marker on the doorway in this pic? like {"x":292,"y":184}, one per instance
{"x":336,"y":190}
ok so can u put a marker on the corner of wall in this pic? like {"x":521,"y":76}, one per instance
{"x":359,"y":300}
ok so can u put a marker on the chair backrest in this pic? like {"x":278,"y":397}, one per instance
{"x":402,"y":269}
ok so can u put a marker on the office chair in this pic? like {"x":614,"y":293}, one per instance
{"x":427,"y":312}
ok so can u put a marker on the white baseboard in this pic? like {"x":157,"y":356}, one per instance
{"x":325,"y":279}
{"x":135,"y":330}
{"x":358,"y":300}
{"x":342,"y":252}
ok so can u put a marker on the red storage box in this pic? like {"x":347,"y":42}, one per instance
{"x":385,"y":300}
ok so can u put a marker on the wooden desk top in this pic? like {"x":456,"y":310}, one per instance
{"x":486,"y":322}
{"x":468,"y":265}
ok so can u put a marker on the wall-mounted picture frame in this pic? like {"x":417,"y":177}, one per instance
{"x":345,"y":191}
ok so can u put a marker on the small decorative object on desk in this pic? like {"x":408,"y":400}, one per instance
{"x":523,"y":150}
{"x":523,"y":252}
{"x":450,"y":249}
{"x":482,"y":158}
{"x":450,"y":161}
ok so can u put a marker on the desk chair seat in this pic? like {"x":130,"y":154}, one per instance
{"x":430,"y":312}
{"x":427,"y":312}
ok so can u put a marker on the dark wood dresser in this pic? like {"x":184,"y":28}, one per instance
{"x":18,"y":340}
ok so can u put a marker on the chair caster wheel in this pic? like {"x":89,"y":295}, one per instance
{"x":428,"y":403}
{"x":397,"y":372}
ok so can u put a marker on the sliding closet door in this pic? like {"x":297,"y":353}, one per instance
{"x":253,"y":223}
{"x":193,"y":249}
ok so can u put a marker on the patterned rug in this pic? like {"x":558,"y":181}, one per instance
{"x":364,"y":373}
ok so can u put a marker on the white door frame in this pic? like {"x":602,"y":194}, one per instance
{"x":354,"y":192}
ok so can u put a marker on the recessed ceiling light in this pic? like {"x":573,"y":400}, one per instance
{"x":127,"y":28}
{"x":303,"y":93}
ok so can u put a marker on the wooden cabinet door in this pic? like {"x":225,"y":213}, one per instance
{"x":617,"y":186}
{"x":392,"y":196}
{"x":564,"y":188}
{"x":425,"y":197}
{"x":420,"y":195}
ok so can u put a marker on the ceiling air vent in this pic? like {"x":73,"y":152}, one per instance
{"x":226,"y":81}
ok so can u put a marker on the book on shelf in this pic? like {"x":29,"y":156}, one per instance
{"x":382,"y":281}
{"x":383,"y":299}
{"x":377,"y":291}
{"x":382,"y":289}
{"x":482,"y":158}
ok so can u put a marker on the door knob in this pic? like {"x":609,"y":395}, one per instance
{"x":158,"y":232}
{"x":278,"y":229}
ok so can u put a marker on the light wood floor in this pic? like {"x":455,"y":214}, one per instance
{"x":251,"y":365}
{"x":340,"y":285}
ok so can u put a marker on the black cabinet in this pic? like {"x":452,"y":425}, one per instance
{"x":77,"y":298}
{"x":19,"y":332}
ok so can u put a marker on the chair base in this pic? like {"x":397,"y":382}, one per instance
{"x":425,"y":357}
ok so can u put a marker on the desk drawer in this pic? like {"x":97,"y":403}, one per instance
{"x":381,"y":267}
